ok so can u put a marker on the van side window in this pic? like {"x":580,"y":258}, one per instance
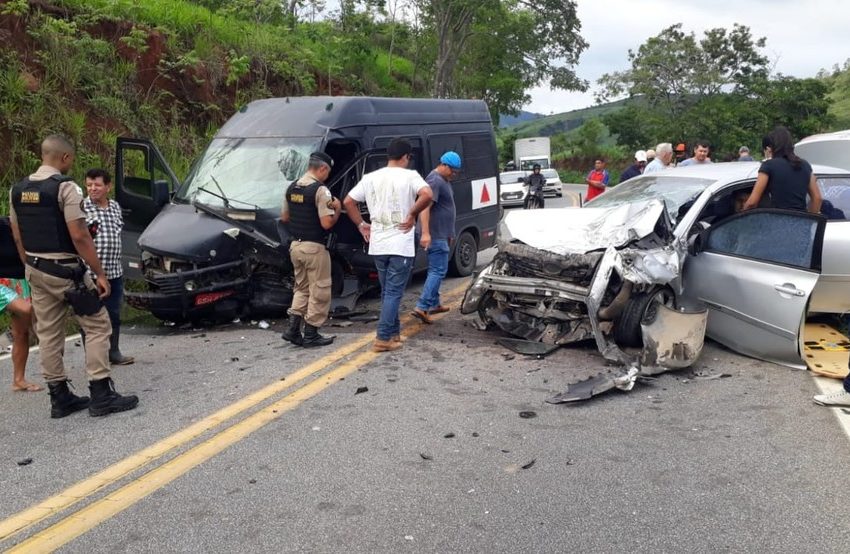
{"x":440,"y":144}
{"x":477,"y":157}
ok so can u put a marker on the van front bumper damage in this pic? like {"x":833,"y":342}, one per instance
{"x":561,"y":298}
{"x":194,"y":294}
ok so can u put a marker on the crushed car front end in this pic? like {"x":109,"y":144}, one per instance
{"x":586,"y":277}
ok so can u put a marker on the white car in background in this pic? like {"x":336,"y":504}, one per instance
{"x":553,"y":183}
{"x":512,"y":192}
{"x":511,"y":189}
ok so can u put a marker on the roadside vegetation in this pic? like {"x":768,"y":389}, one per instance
{"x":681,"y":88}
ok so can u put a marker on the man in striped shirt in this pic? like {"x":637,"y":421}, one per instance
{"x":106,"y":214}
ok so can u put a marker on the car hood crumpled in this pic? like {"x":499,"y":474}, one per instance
{"x":580,"y":230}
{"x":577,"y":231}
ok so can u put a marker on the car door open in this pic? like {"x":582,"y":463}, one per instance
{"x":755,"y":271}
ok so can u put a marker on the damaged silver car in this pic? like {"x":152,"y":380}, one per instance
{"x":652,"y":266}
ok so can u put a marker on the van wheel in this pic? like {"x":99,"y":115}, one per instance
{"x":641,"y":308}
{"x":465,"y":255}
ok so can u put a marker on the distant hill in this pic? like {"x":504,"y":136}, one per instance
{"x":524,"y":116}
{"x":563,"y":122}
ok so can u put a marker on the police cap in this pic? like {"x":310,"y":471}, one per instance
{"x":322,"y":157}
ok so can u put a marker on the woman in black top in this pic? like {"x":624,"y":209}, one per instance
{"x":785,"y":177}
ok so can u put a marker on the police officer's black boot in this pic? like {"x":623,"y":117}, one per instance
{"x":293,"y":334}
{"x":104,"y":399}
{"x":63,"y":402}
{"x":115,"y":355}
{"x":312,"y":338}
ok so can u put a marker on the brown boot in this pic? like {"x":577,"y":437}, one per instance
{"x":422,"y":316}
{"x":439,"y":310}
{"x":399,"y":338}
{"x":385,"y":345}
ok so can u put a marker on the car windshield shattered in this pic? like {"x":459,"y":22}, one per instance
{"x":674,"y":191}
{"x":249,"y":172}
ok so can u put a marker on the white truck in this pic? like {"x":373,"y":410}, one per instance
{"x":530,"y":151}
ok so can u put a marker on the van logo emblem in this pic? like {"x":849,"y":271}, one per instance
{"x":481,"y":196}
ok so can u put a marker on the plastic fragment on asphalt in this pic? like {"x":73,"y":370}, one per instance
{"x":449,"y":436}
{"x":527,"y":415}
{"x":25,"y":462}
{"x":361,"y":390}
{"x":425,"y":456}
{"x":264,"y":324}
{"x":528,"y":465}
{"x":527,"y":347}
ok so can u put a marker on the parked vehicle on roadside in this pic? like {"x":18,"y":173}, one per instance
{"x":212,"y":247}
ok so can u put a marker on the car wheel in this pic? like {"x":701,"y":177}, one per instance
{"x":465,"y":255}
{"x":641,"y":308}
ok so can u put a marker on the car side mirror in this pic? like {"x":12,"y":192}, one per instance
{"x":696,"y":242}
{"x":160,"y":193}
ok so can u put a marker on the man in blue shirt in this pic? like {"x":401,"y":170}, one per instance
{"x":438,"y":228}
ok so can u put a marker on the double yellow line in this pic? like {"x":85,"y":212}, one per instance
{"x":99,"y":511}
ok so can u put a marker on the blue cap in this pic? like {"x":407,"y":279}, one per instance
{"x":451,"y":159}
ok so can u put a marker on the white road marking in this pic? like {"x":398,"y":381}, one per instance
{"x":7,"y":355}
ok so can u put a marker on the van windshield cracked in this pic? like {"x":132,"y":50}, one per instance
{"x":247,"y":171}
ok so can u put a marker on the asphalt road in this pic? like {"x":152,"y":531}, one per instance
{"x":432,"y":457}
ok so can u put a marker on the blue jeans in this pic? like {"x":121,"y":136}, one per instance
{"x":393,"y":272}
{"x":438,"y":266}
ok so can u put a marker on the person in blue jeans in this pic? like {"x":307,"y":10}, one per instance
{"x":395,"y":196}
{"x":438,"y":228}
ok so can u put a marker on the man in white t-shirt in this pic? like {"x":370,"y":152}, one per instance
{"x":395,"y":197}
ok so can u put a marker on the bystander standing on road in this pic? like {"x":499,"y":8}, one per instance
{"x":395,"y":197}
{"x":53,"y":241}
{"x":744,"y":155}
{"x":438,"y":228}
{"x":105,"y":214}
{"x":597,"y":179}
{"x":785,"y":177}
{"x":636,"y":168}
{"x":700,"y":155}
{"x":664,"y":155}
{"x":310,"y":212}
{"x":650,"y":155}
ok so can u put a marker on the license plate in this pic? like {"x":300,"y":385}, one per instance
{"x":210,"y":297}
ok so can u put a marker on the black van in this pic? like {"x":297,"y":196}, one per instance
{"x":212,"y":247}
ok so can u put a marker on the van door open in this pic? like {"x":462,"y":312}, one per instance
{"x":143,"y":185}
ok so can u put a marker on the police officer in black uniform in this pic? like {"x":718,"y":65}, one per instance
{"x":52,"y":239}
{"x":310,"y":211}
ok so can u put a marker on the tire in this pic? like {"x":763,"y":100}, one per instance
{"x":640,"y":308}
{"x":465,"y":255}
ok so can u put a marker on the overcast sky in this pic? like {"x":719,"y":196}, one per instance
{"x":803,"y":36}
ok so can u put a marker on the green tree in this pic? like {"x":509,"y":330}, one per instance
{"x":717,"y":88}
{"x":497,"y":49}
{"x":674,"y":70}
